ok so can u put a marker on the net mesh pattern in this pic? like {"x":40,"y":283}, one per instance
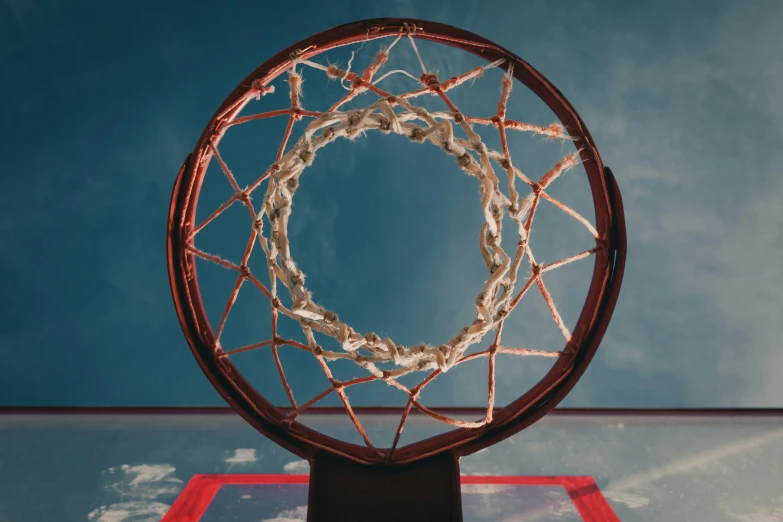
{"x":398,"y":114}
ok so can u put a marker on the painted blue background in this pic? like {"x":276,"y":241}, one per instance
{"x":102,"y":101}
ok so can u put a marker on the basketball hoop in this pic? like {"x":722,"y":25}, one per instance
{"x":433,"y":463}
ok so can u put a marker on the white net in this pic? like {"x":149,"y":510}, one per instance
{"x":398,"y":114}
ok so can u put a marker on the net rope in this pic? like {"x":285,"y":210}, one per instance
{"x":390,"y":113}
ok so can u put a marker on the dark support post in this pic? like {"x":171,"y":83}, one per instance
{"x":342,"y":490}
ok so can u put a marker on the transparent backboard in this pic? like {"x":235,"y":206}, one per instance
{"x":135,"y":467}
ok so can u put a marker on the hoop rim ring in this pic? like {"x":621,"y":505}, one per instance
{"x":524,"y":411}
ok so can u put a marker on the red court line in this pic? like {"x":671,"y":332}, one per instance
{"x":199,"y":492}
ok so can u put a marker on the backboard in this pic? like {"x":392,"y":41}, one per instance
{"x":635,"y":466}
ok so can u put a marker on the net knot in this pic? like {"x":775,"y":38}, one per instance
{"x":330,"y":316}
{"x":536,"y":268}
{"x":263,"y":90}
{"x":465,"y":160}
{"x":358,"y":83}
{"x":317,"y":350}
{"x":244,"y":271}
{"x":296,"y":113}
{"x":495,"y":119}
{"x":417,"y":135}
{"x":334,"y":72}
{"x":276,"y":302}
{"x":458,"y":117}
{"x":537,"y":188}
{"x":307,"y":157}
{"x":431,"y":81}
{"x":505,"y":163}
{"x":392,"y":100}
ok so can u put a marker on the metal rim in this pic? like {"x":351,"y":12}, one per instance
{"x":539,"y":400}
